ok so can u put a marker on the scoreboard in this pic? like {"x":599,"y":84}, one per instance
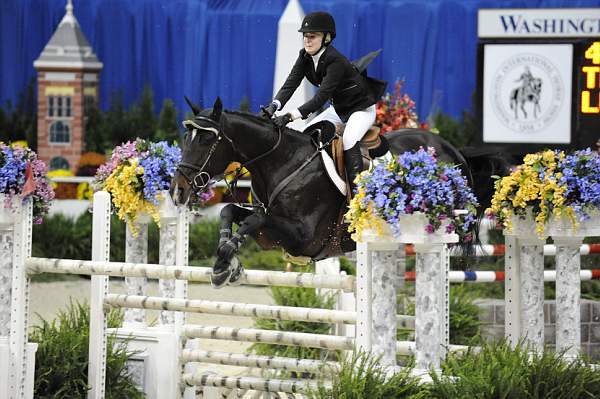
{"x":538,"y":78}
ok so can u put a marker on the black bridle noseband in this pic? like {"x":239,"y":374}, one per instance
{"x":200,"y":181}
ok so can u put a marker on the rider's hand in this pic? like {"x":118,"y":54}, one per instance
{"x":268,"y":111}
{"x":282,"y":120}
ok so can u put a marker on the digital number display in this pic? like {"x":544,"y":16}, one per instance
{"x":590,"y":93}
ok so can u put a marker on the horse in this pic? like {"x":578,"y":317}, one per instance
{"x":529,"y":92}
{"x":295,"y":205}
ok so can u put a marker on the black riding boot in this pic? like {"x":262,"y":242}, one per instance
{"x":354,"y":164}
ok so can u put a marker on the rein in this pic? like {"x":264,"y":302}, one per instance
{"x":204,"y":177}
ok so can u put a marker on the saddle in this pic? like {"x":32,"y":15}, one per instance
{"x":372,"y":145}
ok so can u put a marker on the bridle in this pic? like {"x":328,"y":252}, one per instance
{"x":201,"y":180}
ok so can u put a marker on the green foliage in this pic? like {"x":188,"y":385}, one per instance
{"x":63,"y":237}
{"x":362,"y":378}
{"x":105,"y":130}
{"x":62,"y":357}
{"x":96,"y":140}
{"x":501,"y":372}
{"x":167,"y":128}
{"x":464,"y":316}
{"x":298,"y":297}
{"x":245,"y":104}
{"x":20,"y":122}
{"x":263,"y":260}
{"x":142,"y":119}
{"x":204,"y":238}
{"x":459,"y":133}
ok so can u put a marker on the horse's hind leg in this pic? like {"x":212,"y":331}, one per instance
{"x":227,"y":268}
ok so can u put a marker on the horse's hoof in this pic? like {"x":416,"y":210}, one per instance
{"x":218,"y":280}
{"x":236,"y":275}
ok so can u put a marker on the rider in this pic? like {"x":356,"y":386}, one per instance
{"x":347,"y":90}
{"x":526,"y":77}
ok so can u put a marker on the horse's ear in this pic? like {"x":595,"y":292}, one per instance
{"x":217,"y":109}
{"x":195,"y":108}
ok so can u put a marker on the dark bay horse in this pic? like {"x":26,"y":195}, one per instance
{"x":296,"y":206}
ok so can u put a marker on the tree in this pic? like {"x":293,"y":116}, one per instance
{"x":167,"y":123}
{"x":117,"y":121}
{"x":96,"y":137}
{"x":20,"y":123}
{"x":143,"y":120}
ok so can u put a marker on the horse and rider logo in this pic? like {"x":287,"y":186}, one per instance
{"x":527,"y":92}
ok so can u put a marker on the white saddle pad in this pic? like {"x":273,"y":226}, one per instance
{"x":335,"y":177}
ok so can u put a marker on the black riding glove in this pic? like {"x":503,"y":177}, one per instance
{"x":268,"y":111}
{"x":282,"y":120}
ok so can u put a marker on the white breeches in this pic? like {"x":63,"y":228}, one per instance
{"x":356,"y":127}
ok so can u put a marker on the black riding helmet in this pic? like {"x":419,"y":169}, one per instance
{"x":318,"y":21}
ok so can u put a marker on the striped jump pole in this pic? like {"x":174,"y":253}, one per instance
{"x":456,"y":276}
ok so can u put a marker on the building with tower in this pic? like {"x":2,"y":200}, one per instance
{"x":68,"y":75}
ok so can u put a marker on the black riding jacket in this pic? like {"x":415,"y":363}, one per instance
{"x":338,"y":80}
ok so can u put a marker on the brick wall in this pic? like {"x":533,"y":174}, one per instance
{"x":73,"y":150}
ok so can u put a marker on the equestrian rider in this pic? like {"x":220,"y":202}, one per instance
{"x":339,"y":82}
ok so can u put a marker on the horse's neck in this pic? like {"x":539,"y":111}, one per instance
{"x":252,"y":138}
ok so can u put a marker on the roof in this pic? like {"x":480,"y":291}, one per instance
{"x":68,"y":47}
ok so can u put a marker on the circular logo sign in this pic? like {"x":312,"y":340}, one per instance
{"x":527,"y":92}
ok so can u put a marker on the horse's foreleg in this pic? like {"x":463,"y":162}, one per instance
{"x":227,"y":268}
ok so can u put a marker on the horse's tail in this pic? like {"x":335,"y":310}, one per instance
{"x":513,"y":98}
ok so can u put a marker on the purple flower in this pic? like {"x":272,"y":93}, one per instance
{"x":417,"y":181}
{"x":13,"y":176}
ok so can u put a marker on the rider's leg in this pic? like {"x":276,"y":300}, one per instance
{"x":358,"y":124}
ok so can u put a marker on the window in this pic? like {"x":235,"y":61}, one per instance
{"x":60,"y":132}
{"x":58,"y":163}
{"x":59,"y":106}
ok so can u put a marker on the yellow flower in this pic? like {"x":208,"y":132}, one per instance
{"x":124,"y":185}
{"x":524,"y":188}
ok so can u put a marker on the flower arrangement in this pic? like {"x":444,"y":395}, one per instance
{"x":62,"y":190}
{"x":550,"y":184}
{"x":23,"y":174}
{"x":397,"y":111}
{"x":410,"y":183}
{"x":136,"y":175}
{"x":89,"y":162}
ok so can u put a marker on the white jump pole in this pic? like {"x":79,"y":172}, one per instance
{"x":99,"y":290}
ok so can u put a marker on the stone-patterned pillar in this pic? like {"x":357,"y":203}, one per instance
{"x":167,"y":257}
{"x":568,"y":292}
{"x":431,"y":308}
{"x":384,"y":280}
{"x":136,"y":251}
{"x":524,"y":291}
{"x":6,"y":248}
{"x":376,"y":299}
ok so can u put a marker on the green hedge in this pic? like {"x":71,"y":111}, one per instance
{"x":494,"y":372}
{"x":61,"y":364}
